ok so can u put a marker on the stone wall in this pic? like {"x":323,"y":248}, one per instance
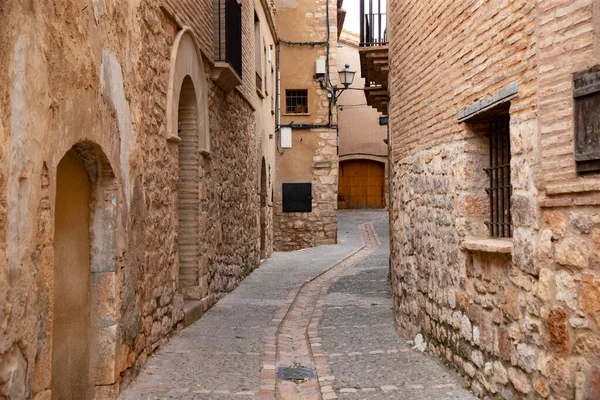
{"x":518,"y":317}
{"x":96,"y":75}
{"x":313,"y":156}
{"x":293,"y":231}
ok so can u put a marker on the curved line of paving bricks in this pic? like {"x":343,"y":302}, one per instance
{"x":271,"y":387}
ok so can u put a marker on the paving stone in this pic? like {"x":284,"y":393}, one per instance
{"x":277,"y":315}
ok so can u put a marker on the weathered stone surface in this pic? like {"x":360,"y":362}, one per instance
{"x":522,"y":211}
{"x":13,"y":375}
{"x":526,"y":357}
{"x":540,"y":385}
{"x":590,"y":293}
{"x":572,"y":252}
{"x":520,"y":380}
{"x":546,"y":284}
{"x":500,"y":373}
{"x":579,"y":223}
{"x":594,"y":383}
{"x":566,"y":289}
{"x":557,"y":223}
{"x":558,"y":329}
{"x":587,"y":345}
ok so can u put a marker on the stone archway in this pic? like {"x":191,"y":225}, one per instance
{"x":263,"y":209}
{"x":188,"y":126}
{"x":84,"y":326}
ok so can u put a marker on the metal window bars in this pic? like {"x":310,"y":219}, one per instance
{"x":500,"y":190}
{"x":373,"y":23}
{"x":296,"y":101}
{"x":229,"y":34}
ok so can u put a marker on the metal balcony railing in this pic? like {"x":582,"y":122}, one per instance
{"x":373,"y":23}
{"x":229,"y":32}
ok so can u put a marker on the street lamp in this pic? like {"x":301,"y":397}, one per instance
{"x":346,"y":76}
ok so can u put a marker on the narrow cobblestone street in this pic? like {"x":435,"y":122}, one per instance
{"x":327,"y":308}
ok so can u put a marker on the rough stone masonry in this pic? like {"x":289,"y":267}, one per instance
{"x":518,"y":317}
{"x":94,"y":80}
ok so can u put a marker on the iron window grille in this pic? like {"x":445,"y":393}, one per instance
{"x":229,"y":34}
{"x":500,"y":190}
{"x":296,"y":101}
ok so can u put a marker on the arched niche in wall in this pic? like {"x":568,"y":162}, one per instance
{"x":85,"y":321}
{"x":188,"y":125}
{"x":186,"y":62}
{"x":263,"y":209}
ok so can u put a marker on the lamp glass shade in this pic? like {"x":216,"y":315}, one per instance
{"x":346,"y":76}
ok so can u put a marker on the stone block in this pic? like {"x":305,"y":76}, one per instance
{"x":540,"y":384}
{"x":566,"y":289}
{"x":593,"y":383}
{"x":572,"y":252}
{"x":590,"y":293}
{"x":558,"y":329}
{"x":522,"y":211}
{"x":557,"y":222}
{"x":104,"y":356}
{"x":503,"y":346}
{"x":500,"y":374}
{"x":579,"y":223}
{"x":546,"y":284}
{"x":526,"y":357}
{"x":13,"y":374}
{"x":524,"y":251}
{"x":520,"y":380}
{"x":587,"y":344}
{"x":510,"y":302}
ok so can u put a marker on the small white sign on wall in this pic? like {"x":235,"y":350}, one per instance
{"x":286,"y":137}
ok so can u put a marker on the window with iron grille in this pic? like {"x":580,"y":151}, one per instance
{"x":296,"y":101}
{"x":500,"y":189}
{"x":228,"y":33}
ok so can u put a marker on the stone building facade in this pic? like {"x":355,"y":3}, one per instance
{"x":308,"y":31}
{"x":134,"y":167}
{"x":518,"y":316}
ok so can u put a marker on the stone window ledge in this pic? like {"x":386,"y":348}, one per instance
{"x":574,"y":186}
{"x":488,"y":245}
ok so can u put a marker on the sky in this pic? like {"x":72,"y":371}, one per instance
{"x":352,"y":22}
{"x":352,"y":7}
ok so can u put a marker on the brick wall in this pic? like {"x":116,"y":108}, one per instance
{"x":521,"y":323}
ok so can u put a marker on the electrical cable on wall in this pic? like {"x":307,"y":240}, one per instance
{"x":331,"y":98}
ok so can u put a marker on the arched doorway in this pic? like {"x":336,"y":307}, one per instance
{"x":263,"y":209}
{"x":72,"y":280}
{"x":84,"y":244}
{"x":188,"y":186}
{"x":361,"y":184}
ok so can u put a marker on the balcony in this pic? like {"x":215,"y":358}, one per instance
{"x":374,"y":53}
{"x":228,"y":44}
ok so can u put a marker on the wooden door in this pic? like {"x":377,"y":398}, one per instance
{"x":361,"y":184}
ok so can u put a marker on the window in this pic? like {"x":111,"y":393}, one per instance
{"x":500,"y":189}
{"x":296,"y":101}
{"x":586,"y":87}
{"x":265,"y":67}
{"x":257,"y":49}
{"x":228,"y":36}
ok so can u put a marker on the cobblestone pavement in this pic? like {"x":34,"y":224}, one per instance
{"x":327,"y":308}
